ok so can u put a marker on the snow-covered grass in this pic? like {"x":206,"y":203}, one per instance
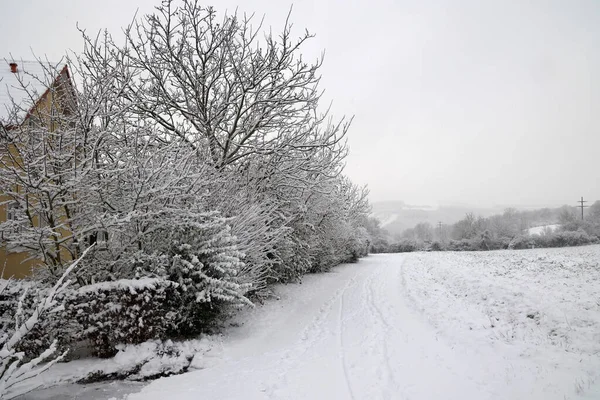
{"x":542,"y":305}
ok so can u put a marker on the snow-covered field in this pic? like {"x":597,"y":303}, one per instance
{"x":538,"y":230}
{"x":539,"y":310}
{"x":489,"y":325}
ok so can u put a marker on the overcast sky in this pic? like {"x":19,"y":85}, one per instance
{"x":472,"y":102}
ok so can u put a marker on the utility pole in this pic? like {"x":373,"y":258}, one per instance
{"x":582,"y":206}
{"x":440,"y":229}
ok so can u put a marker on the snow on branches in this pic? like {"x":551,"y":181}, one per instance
{"x":13,"y":369}
{"x":198,"y":160}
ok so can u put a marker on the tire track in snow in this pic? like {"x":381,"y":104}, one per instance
{"x":309,"y":337}
{"x":385,"y":332}
{"x":341,"y":342}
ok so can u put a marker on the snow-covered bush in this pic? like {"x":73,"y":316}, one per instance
{"x":564,"y":239}
{"x":10,"y":293}
{"x":53,"y":327}
{"x":123,"y":311}
{"x":554,"y":239}
{"x":204,"y":262}
{"x":13,"y":366}
{"x":259,"y":225}
{"x":405,"y":246}
{"x":521,"y":242}
{"x":437,"y":246}
{"x":294,"y":253}
{"x":188,"y":269}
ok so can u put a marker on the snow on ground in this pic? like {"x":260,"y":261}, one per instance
{"x":538,"y":230}
{"x":94,"y":391}
{"x":495,"y":325}
{"x":482,"y":325}
{"x":541,"y":308}
{"x":146,"y":359}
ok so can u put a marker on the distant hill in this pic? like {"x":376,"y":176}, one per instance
{"x":396,"y":216}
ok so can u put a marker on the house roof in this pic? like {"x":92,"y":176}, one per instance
{"x":21,"y":90}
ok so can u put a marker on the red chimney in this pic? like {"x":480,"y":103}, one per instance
{"x":13,"y":67}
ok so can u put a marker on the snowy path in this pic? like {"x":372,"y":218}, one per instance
{"x":353,"y":334}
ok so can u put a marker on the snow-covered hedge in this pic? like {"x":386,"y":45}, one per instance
{"x":195,"y":268}
{"x":121,"y":312}
{"x":554,"y":239}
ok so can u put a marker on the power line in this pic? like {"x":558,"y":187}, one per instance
{"x":581,"y":206}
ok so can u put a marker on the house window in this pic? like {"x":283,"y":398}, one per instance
{"x":13,"y":217}
{"x":12,"y":211}
{"x":42,"y":222}
{"x":100,"y":238}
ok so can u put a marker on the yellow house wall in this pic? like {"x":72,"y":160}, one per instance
{"x":13,"y":263}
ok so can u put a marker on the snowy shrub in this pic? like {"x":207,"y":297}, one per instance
{"x":358,"y":244}
{"x":324,"y":257}
{"x":500,"y":243}
{"x":123,"y":311}
{"x":294,"y":253}
{"x":204,"y":262}
{"x":380,"y":245}
{"x":14,"y":369}
{"x":463,"y":245}
{"x":405,"y":246}
{"x":521,"y":242}
{"x":258,"y":224}
{"x":436,"y":246}
{"x":194,"y":264}
{"x":554,"y":239}
{"x":53,"y":328}
{"x":10,"y":293}
{"x":565,"y":239}
{"x":578,"y":225}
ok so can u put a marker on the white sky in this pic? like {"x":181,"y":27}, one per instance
{"x":476,"y":102}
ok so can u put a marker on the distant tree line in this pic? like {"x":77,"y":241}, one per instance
{"x":508,"y":230}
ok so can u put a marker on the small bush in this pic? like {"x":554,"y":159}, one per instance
{"x":462,"y":245}
{"x":521,"y":242}
{"x":405,"y":246}
{"x":437,"y":246}
{"x":126,"y":311}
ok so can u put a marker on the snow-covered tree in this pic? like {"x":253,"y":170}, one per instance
{"x":197,"y":157}
{"x":225,"y":87}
